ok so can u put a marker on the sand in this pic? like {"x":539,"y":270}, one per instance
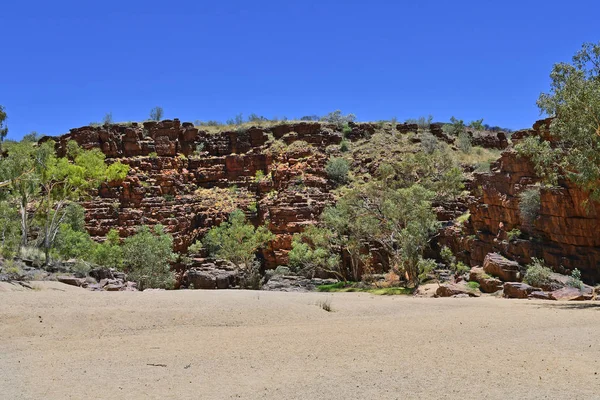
{"x":59,"y":342}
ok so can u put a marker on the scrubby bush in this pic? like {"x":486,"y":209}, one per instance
{"x":346,"y":130}
{"x":109,"y":253}
{"x":464,"y":142}
{"x":513,"y":234}
{"x":147,"y":257}
{"x":455,"y":127}
{"x":153,"y":155}
{"x":337,"y":170}
{"x":73,"y":243}
{"x":477,"y":124}
{"x":529,"y":204}
{"x":575,"y":279}
{"x":423,"y":123}
{"x":259,"y":176}
{"x":344,"y":146}
{"x":537,"y":273}
{"x":429,"y":143}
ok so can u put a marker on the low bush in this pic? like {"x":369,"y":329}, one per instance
{"x":337,"y":170}
{"x":529,"y":204}
{"x":575,"y":279}
{"x":537,"y":273}
{"x":147,"y":257}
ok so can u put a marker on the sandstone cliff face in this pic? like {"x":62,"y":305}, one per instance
{"x":195,"y":178}
{"x":565,"y":235}
{"x":189,"y":179}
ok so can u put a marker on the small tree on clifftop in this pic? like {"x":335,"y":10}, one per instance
{"x":156,"y":113}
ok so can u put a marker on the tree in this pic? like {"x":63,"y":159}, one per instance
{"x":147,"y":257}
{"x":67,"y":179}
{"x":236,"y":240}
{"x":313,"y":251}
{"x":156,"y":113}
{"x":3,"y":127}
{"x":574,"y":102}
{"x":108,"y":119}
{"x":22,"y":170}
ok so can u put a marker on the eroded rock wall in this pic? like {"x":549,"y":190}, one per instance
{"x":566,"y":234}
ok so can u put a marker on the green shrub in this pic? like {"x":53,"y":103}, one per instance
{"x":109,"y":253}
{"x":346,"y":130}
{"x":253,"y":207}
{"x":473,"y":285}
{"x":81,"y":269}
{"x":455,"y":127}
{"x":147,"y":256}
{"x":483,"y":166}
{"x":259,"y":176}
{"x":337,"y":170}
{"x":71,"y":243}
{"x":464,"y":143}
{"x":344,"y":146}
{"x":513,"y":234}
{"x":153,"y":155}
{"x":34,"y":254}
{"x":236,"y":240}
{"x":477,"y":124}
{"x":299,"y":146}
{"x":529,"y":204}
{"x":575,"y":279}
{"x":429,"y":143}
{"x":537,"y":273}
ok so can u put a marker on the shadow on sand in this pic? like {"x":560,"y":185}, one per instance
{"x":574,"y":305}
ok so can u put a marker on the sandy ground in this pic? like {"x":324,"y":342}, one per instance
{"x":59,"y":342}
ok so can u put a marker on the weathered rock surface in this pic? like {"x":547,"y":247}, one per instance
{"x":518,"y":290}
{"x":496,"y":265}
{"x":573,"y":294}
{"x":455,"y":289}
{"x":487,"y":284}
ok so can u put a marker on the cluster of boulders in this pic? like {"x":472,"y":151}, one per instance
{"x":101,"y":279}
{"x":504,"y":277}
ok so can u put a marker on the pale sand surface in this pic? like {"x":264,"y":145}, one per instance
{"x":271,"y":345}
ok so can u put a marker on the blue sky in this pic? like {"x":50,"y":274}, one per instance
{"x":67,"y":63}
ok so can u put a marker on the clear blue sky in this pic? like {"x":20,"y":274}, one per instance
{"x":64,"y":64}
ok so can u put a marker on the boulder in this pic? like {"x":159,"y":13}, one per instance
{"x":487,"y":284}
{"x":518,"y":290}
{"x":71,"y":280}
{"x":569,"y":293}
{"x":113,"y":287}
{"x":202,"y":280}
{"x":101,"y":273}
{"x":541,"y":295}
{"x":454,"y":289}
{"x":496,"y":265}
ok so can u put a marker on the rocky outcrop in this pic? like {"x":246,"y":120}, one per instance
{"x":564,"y":235}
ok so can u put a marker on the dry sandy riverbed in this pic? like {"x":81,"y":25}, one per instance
{"x":60,"y":342}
